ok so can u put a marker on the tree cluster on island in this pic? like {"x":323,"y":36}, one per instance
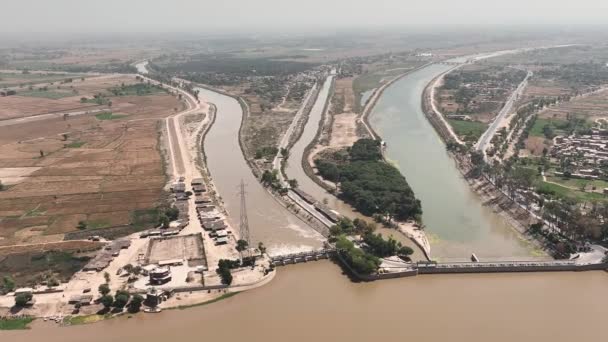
{"x":370,"y":184}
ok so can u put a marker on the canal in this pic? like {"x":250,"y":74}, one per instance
{"x":269,"y":222}
{"x":456,"y":221}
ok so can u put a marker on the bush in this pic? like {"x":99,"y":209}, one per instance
{"x":8,"y":284}
{"x":22,"y":299}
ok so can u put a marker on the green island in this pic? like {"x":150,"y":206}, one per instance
{"x":370,"y":184}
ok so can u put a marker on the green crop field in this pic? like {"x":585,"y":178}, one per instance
{"x":468,"y":128}
{"x":109,"y":116}
{"x":53,"y":95}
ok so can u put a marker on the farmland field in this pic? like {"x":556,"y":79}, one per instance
{"x":471,"y":129}
{"x":83,"y":168}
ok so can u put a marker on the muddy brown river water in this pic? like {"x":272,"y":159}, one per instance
{"x":315,"y":302}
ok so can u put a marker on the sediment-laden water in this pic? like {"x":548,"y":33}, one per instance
{"x":269,"y":222}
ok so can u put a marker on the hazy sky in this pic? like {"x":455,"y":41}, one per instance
{"x":175,"y":15}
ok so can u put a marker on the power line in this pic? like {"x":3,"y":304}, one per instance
{"x":244,"y":222}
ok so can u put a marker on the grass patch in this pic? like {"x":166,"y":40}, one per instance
{"x":561,"y":191}
{"x":86,"y":319}
{"x":222,"y":297}
{"x":75,"y":144}
{"x":539,"y":124}
{"x":53,"y":95}
{"x":140,"y":89}
{"x":579,"y":183}
{"x":108,"y":116}
{"x":28,"y":269}
{"x":97,"y":224}
{"x":15,"y":323}
{"x":34,"y":212}
{"x":469,"y":129}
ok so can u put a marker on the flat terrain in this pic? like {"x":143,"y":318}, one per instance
{"x":68,"y":98}
{"x":187,"y":247}
{"x":102,"y":172}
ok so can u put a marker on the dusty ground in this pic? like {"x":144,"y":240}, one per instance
{"x":102,"y":171}
{"x":344,"y":130}
{"x":178,"y":247}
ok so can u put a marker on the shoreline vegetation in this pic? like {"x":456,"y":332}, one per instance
{"x":15,"y":323}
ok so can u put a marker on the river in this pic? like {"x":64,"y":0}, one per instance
{"x":457,"y":222}
{"x":269,"y":222}
{"x":315,"y":302}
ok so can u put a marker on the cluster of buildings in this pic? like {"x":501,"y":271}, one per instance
{"x":588,"y":153}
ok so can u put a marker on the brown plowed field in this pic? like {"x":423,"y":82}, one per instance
{"x":103,"y":173}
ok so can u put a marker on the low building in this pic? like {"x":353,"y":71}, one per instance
{"x":221,"y":241}
{"x":327,"y":212}
{"x":213,"y":226}
{"x":181,"y":196}
{"x":202,"y":199}
{"x":178,"y":187}
{"x":171,"y":262}
{"x":81,"y":300}
{"x":160,"y":275}
{"x":170,"y":232}
{"x":197,"y":181}
{"x":306,"y":197}
{"x":198,"y":189}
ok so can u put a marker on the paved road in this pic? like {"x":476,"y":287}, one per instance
{"x":276,"y":163}
{"x":486,"y":138}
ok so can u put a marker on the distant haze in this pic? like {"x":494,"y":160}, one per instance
{"x":239,"y":15}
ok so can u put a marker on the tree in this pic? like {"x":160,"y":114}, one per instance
{"x":107,"y":301}
{"x":224,"y":272}
{"x":262,"y":248}
{"x":172,"y":213}
{"x":293,"y":183}
{"x":163,"y":220}
{"x":241,"y":245}
{"x":104,"y":289}
{"x":82,"y":225}
{"x":1,"y":186}
{"x":22,"y":299}
{"x":128,"y":268}
{"x":135,"y":304}
{"x":121,"y":299}
{"x":41,"y":153}
{"x":106,"y":276}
